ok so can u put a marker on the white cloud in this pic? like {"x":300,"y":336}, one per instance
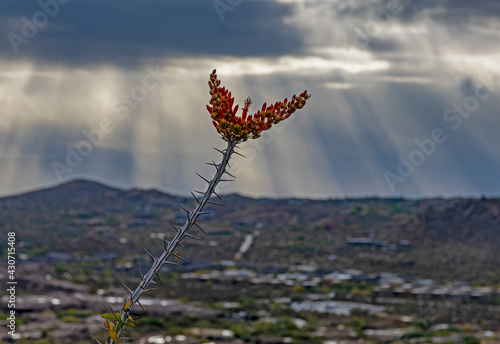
{"x":369,"y":104}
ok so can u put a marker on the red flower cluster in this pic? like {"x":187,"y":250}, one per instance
{"x":240,"y":129}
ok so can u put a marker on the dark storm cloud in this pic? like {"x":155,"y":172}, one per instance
{"x":94,"y":31}
{"x":370,"y":103}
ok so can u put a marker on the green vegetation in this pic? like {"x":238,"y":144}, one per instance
{"x":75,"y":314}
{"x":471,"y":340}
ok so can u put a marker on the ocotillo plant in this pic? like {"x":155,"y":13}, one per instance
{"x":234,"y":130}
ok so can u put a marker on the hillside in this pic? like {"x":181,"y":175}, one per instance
{"x":444,"y":239}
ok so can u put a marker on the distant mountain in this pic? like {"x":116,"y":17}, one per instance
{"x":445,"y":239}
{"x":81,"y":187}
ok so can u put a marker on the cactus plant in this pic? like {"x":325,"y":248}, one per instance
{"x":233,"y":130}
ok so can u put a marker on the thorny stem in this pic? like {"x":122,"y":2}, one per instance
{"x":180,"y":235}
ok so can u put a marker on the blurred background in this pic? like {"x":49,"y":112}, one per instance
{"x":370,"y":216}
{"x":116,"y":91}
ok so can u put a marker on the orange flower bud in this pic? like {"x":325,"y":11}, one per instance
{"x":233,"y":127}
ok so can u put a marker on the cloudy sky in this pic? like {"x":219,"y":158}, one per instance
{"x":405,"y":94}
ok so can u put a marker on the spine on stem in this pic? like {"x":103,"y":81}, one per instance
{"x":234,"y":130}
{"x":116,"y":331}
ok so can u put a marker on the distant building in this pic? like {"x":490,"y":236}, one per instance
{"x":59,"y":257}
{"x":365,"y":242}
{"x":212,"y":333}
{"x":404,"y":243}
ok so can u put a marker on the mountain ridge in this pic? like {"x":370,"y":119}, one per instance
{"x":444,"y":238}
{"x":94,"y":184}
